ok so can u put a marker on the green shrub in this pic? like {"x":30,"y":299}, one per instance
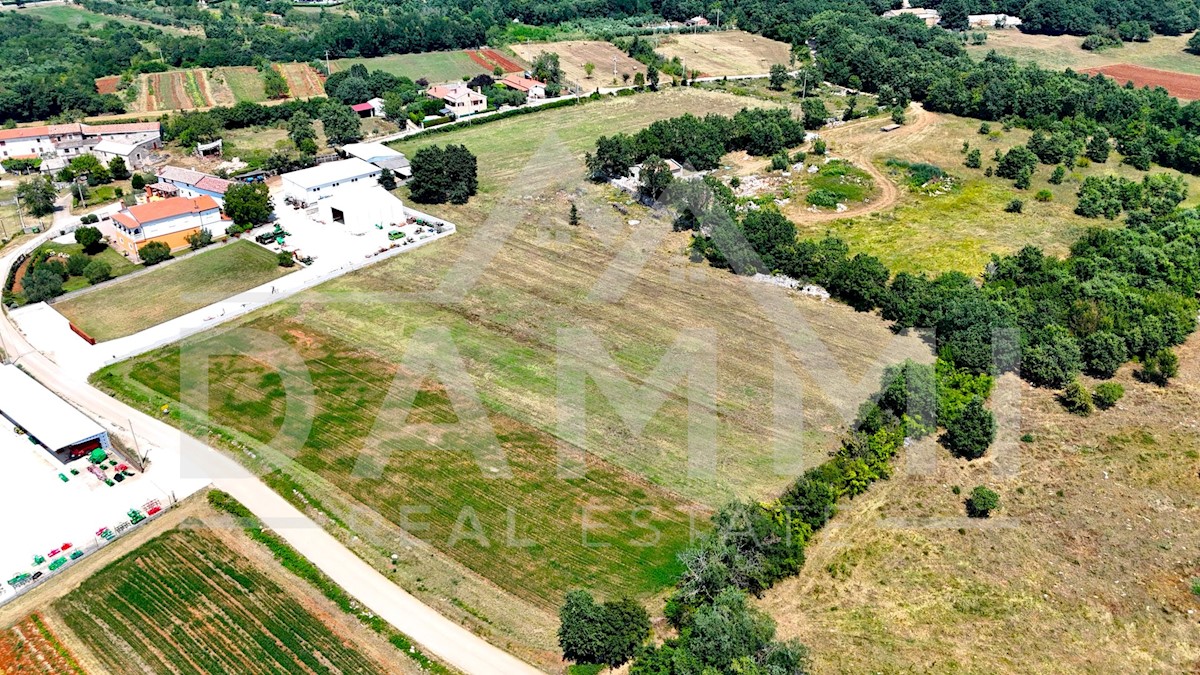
{"x":1015,"y":206}
{"x":153,"y":253}
{"x":982,"y":502}
{"x":1044,"y":195}
{"x":1077,"y":399}
{"x":822,"y":198}
{"x":1107,"y":394}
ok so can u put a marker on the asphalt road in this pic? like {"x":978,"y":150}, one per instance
{"x":437,"y":635}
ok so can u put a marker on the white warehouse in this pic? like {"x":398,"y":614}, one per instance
{"x":315,"y":183}
{"x":362,"y":208}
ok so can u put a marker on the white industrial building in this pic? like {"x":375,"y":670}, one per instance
{"x":316,"y":183}
{"x":381,"y":156}
{"x":47,"y":419}
{"x":362,"y":208}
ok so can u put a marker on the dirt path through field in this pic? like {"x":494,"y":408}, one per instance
{"x":862,"y":156}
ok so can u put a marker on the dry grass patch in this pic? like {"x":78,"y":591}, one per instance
{"x":732,"y":52}
{"x":573,"y":54}
{"x":1058,"y":52}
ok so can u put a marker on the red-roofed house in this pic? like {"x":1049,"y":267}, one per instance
{"x":167,"y":220}
{"x":63,"y":142}
{"x":195,"y":183}
{"x":531,"y":87}
{"x":460,"y":99}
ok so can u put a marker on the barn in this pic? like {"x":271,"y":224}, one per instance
{"x":47,"y":419}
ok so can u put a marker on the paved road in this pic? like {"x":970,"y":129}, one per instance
{"x":198,"y":462}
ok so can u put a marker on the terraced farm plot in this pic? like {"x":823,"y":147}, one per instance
{"x":1179,"y":85}
{"x":162,"y":294}
{"x":433,"y":66}
{"x":302,"y":80}
{"x":176,"y":90}
{"x":31,"y":647}
{"x":573,"y":54}
{"x":186,"y":603}
{"x":107,"y":85}
{"x":732,"y":52}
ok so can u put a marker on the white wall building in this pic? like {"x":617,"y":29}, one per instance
{"x":65,"y":141}
{"x":169,"y":221}
{"x":315,"y":183}
{"x":135,"y":155}
{"x":53,"y":422}
{"x":460,"y":99}
{"x":381,"y":156}
{"x":362,"y":208}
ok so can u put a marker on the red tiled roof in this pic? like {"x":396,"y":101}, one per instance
{"x":76,"y":128}
{"x":214,"y":184}
{"x":144,"y":214}
{"x":361,"y":107}
{"x":128,"y":128}
{"x":521,"y":83}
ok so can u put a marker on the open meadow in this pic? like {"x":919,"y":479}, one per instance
{"x":1087,"y":566}
{"x":198,"y":600}
{"x":72,"y":16}
{"x":731,"y":52}
{"x":433,"y":66}
{"x":611,"y":63}
{"x":124,"y":308}
{"x":963,"y":227}
{"x":519,"y":276}
{"x":1058,"y":52}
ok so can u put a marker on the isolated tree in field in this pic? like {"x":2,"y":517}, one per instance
{"x":970,"y":435}
{"x":819,"y":146}
{"x":497,"y":72}
{"x":898,"y":115}
{"x":652,"y":76}
{"x":274,"y":85}
{"x":37,"y":196}
{"x":97,"y":271}
{"x":982,"y":502}
{"x":546,"y":68}
{"x":154,"y":252}
{"x":341,"y":124}
{"x":573,"y":218}
{"x":443,"y":175}
{"x":815,"y":113}
{"x":588,"y":69}
{"x":248,"y":203}
{"x":985,"y":129}
{"x":117,"y":168}
{"x":387,"y":180}
{"x":608,"y":634}
{"x":88,"y":237}
{"x":1058,"y":176}
{"x":655,"y":177}
{"x":639,"y":80}
{"x":779,"y":77}
{"x":302,"y":133}
{"x":974,"y":159}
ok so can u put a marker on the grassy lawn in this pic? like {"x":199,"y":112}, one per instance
{"x":433,"y":66}
{"x":960,"y":230}
{"x":246,"y":84}
{"x":71,"y":16}
{"x":187,"y":602}
{"x":1060,"y":52}
{"x":120,"y":264}
{"x":126,"y":308}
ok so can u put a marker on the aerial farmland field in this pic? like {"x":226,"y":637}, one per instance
{"x":433,"y":66}
{"x":611,"y":63}
{"x":186,"y":602}
{"x":31,"y":647}
{"x":732,"y":52}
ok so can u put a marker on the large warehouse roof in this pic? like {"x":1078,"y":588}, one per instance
{"x":331,"y":172}
{"x":41,"y":413}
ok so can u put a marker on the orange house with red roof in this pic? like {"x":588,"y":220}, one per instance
{"x":170,"y":221}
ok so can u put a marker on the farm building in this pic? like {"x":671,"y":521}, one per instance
{"x":190,"y":183}
{"x":381,"y":156}
{"x":52,"y":422}
{"x":318,"y":182}
{"x":135,"y":155}
{"x":168,"y":220}
{"x":931,"y":17}
{"x":361,"y":208}
{"x":696,"y":21}
{"x":531,"y":87}
{"x":994,"y":21}
{"x":460,"y":99}
{"x":61,"y":142}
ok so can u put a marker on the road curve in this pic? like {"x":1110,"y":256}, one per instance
{"x":437,"y":635}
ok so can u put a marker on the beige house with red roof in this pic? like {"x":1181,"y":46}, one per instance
{"x":167,"y":220}
{"x":189,"y":183}
{"x":531,"y":87}
{"x":460,"y":99}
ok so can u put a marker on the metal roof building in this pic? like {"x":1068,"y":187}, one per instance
{"x":318,"y":182}
{"x":50,"y":420}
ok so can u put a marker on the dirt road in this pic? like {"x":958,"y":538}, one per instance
{"x":862,"y":156}
{"x":436,"y":634}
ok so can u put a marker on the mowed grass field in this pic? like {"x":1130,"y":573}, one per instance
{"x":245,"y":82}
{"x":433,"y":66}
{"x":511,"y":280}
{"x":185,"y":602}
{"x":732,"y":52}
{"x":960,"y":230}
{"x":1086,"y":567}
{"x":162,"y":294}
{"x":1058,"y":52}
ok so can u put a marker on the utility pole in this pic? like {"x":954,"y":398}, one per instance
{"x":20,"y":216}
{"x":614,"y":66}
{"x":718,"y":18}
{"x":327,"y":71}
